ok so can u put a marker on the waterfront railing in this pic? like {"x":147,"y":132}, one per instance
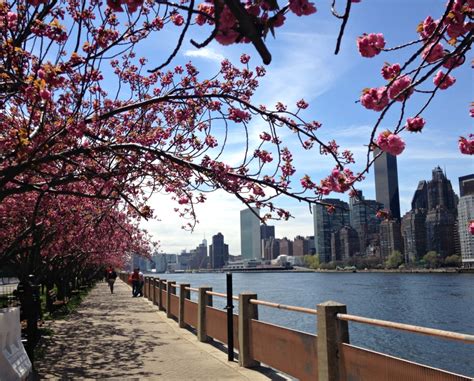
{"x":325,"y":356}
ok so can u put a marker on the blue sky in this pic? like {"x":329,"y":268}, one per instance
{"x":304,"y":66}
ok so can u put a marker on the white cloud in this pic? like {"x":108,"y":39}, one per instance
{"x":207,"y":53}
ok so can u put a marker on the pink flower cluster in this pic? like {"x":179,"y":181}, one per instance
{"x":370,"y":44}
{"x":374,"y":99}
{"x":398,"y":89}
{"x":263,"y":155}
{"x":466,"y":145}
{"x":302,"y":104}
{"x":471,"y":227}
{"x":390,"y":71}
{"x":415,"y":124}
{"x":132,"y":5}
{"x":307,"y":183}
{"x":238,"y":115}
{"x":433,"y":53}
{"x":302,"y":7}
{"x":390,"y":143}
{"x":338,"y":181}
{"x":443,"y":81}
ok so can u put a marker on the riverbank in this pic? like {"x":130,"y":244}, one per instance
{"x":297,"y":269}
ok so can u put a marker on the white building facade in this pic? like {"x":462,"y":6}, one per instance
{"x":250,"y":234}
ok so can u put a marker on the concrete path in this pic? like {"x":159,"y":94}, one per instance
{"x":115,"y":336}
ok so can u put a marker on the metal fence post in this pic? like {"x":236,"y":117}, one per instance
{"x":183,"y":294}
{"x":169,"y":290}
{"x":230,"y":318}
{"x":204,"y":300}
{"x":331,"y":334}
{"x":247,"y":312}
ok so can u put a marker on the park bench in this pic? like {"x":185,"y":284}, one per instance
{"x":53,"y":303}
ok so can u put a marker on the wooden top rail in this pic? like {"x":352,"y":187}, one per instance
{"x":191,"y":289}
{"x":410,"y":328}
{"x":284,"y":307}
{"x":221,"y":294}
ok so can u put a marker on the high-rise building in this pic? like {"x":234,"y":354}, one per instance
{"x":390,"y":238}
{"x":431,"y":224}
{"x":442,"y":215}
{"x":414,"y":234}
{"x":344,"y":243}
{"x":267,"y":231}
{"x":465,"y":216}
{"x":267,"y":234}
{"x":199,"y":256}
{"x":301,"y":246}
{"x":218,"y":252}
{"x":271,"y":249}
{"x":286,"y":246}
{"x":250,"y":242}
{"x":363,"y":216}
{"x":420,"y":198}
{"x":466,"y":185}
{"x":326,"y":223}
{"x":440,"y":191}
{"x":386,"y":183}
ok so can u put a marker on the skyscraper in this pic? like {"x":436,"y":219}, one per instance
{"x":250,"y":234}
{"x":344,"y":243}
{"x":466,"y":185}
{"x":286,"y":246}
{"x":442,"y":214}
{"x":267,"y":231}
{"x":271,"y":249}
{"x":465,"y":216}
{"x":386,"y":183}
{"x":219,"y":252}
{"x":326,"y":223}
{"x":390,"y":238}
{"x":364,"y":220}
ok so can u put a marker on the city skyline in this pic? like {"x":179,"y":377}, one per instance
{"x":302,"y":225}
{"x":332,"y":85}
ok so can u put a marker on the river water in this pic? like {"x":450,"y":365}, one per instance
{"x":443,"y":301}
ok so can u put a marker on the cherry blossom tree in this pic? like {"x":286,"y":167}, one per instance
{"x":67,"y":133}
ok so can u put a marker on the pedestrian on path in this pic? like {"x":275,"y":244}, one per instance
{"x":110,"y":277}
{"x":141,"y":280}
{"x":134,"y":279}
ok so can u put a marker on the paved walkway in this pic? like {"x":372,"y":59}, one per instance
{"x":115,"y":336}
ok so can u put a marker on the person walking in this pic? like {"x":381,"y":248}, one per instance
{"x":134,"y":279}
{"x":141,"y":282}
{"x":110,"y":277}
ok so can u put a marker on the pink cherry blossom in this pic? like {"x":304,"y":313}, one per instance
{"x":374,"y":99}
{"x":466,"y":145}
{"x":390,"y":143}
{"x":302,"y":7}
{"x":244,"y":58}
{"x":370,"y":44}
{"x":12,"y":19}
{"x":302,"y":104}
{"x":433,"y":53}
{"x":45,"y":94}
{"x":443,"y":81}
{"x":471,"y":227}
{"x":398,"y":88}
{"x":415,"y":124}
{"x":454,"y":62}
{"x":390,"y":71}
{"x":177,"y":19}
{"x":427,"y":28}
